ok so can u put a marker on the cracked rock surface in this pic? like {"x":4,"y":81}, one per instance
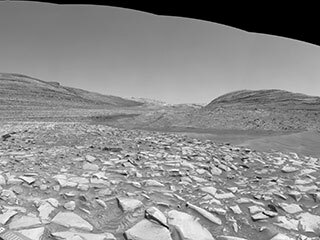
{"x":81,"y":181}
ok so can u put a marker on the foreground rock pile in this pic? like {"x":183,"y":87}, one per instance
{"x":87,"y":182}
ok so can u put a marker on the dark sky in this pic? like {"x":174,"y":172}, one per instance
{"x":129,"y":53}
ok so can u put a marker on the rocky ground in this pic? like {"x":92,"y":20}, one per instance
{"x":76,"y":181}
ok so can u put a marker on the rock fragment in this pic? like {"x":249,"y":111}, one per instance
{"x":129,"y":204}
{"x":24,"y":222}
{"x":146,"y":230}
{"x":187,"y":226}
{"x":155,"y":214}
{"x":72,"y":220}
{"x":205,"y":214}
{"x":83,"y":236}
{"x":33,"y":233}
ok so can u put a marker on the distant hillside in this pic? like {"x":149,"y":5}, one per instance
{"x":27,"y":98}
{"x":263,"y":109}
{"x":264,"y":98}
{"x":274,"y":110}
{"x":18,"y":90}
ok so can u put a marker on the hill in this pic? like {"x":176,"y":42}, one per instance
{"x":272,"y":110}
{"x":264,"y":110}
{"x":26,"y":96}
{"x":267,"y":98}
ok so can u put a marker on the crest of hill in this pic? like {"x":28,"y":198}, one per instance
{"x":19,"y":90}
{"x":269,"y":97}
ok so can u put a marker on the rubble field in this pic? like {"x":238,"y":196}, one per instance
{"x":78,"y":181}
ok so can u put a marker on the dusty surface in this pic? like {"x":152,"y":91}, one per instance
{"x":79,"y":181}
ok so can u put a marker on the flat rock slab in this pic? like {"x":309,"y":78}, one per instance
{"x":259,"y":216}
{"x":28,"y":180}
{"x":155,"y":214}
{"x":85,"y":236}
{"x":224,"y":195}
{"x":281,"y":236}
{"x":4,"y":218}
{"x":129,"y":204}
{"x":153,"y":183}
{"x":90,"y":167}
{"x":24,"y":222}
{"x":290,"y":224}
{"x":147,"y":230}
{"x":45,"y":210}
{"x":309,"y":222}
{"x":291,"y":208}
{"x":289,"y":169}
{"x":33,"y":233}
{"x":187,"y":226}
{"x":205,"y":214}
{"x":3,"y":181}
{"x":90,"y":158}
{"x":210,"y":190}
{"x":229,"y":238}
{"x":236,"y":209}
{"x":255,"y":209}
{"x":306,"y":188}
{"x":70,"y":219}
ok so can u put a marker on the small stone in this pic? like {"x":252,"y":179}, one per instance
{"x":295,"y":195}
{"x":45,"y":209}
{"x":90,"y":158}
{"x":90,"y":167}
{"x":155,"y":214}
{"x":224,"y":195}
{"x":102,"y":203}
{"x":210,"y":190}
{"x":43,"y":187}
{"x":153,"y":183}
{"x":259,"y":216}
{"x":304,"y":188}
{"x":70,"y":205}
{"x":83,"y":187}
{"x":28,"y":180}
{"x":255,"y":209}
{"x":205,"y":214}
{"x":236,"y":209}
{"x":270,"y":213}
{"x":303,"y":181}
{"x":291,"y":208}
{"x":3,"y":181}
{"x":289,"y":169}
{"x":215,"y":171}
{"x":219,"y":211}
{"x":129,"y":204}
